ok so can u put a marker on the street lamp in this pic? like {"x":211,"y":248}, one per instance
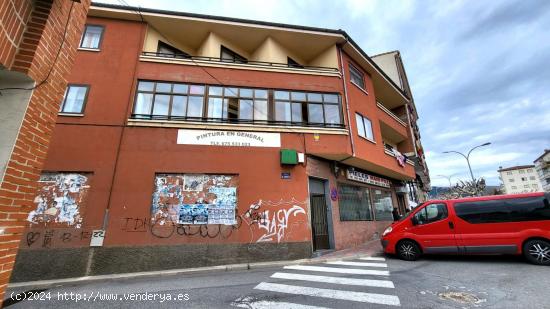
{"x":467,"y":157}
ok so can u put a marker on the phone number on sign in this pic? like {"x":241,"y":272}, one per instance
{"x":240,"y":144}
{"x":97,"y":296}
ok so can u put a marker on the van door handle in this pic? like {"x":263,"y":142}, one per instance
{"x":451,"y":225}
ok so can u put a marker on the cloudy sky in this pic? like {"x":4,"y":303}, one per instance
{"x":479,"y":70}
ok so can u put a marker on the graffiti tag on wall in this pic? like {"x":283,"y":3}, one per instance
{"x":273,"y":218}
{"x":60,"y":199}
{"x":195,"y":199}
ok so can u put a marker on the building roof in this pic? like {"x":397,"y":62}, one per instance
{"x":340,"y":32}
{"x":513,"y":168}
{"x":546,"y":151}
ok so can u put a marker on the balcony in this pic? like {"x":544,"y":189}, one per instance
{"x":180,"y":58}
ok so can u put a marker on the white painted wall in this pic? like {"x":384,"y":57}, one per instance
{"x":521,"y":181}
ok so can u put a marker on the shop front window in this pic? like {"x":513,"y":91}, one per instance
{"x":354,"y":203}
{"x":383,"y":205}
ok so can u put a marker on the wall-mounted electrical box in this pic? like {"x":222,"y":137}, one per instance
{"x":289,"y":157}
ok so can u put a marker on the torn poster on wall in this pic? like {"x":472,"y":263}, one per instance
{"x":60,"y":198}
{"x":195,"y":198}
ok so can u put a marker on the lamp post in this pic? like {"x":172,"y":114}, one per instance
{"x":467,"y":157}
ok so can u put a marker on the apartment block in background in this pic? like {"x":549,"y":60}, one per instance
{"x":187,"y":140}
{"x":520,"y":179}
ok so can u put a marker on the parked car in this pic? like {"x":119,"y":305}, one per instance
{"x":501,"y":224}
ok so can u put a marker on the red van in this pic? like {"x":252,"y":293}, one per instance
{"x":501,"y":224}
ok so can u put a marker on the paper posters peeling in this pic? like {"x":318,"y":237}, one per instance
{"x":195,"y":198}
{"x":60,"y":199}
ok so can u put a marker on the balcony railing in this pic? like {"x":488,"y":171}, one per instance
{"x":234,"y":61}
{"x":394,"y":116}
{"x":236,"y":121}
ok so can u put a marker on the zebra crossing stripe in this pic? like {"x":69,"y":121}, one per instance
{"x":372,"y":258}
{"x":335,"y":280}
{"x":357,"y":264}
{"x":263,"y":304}
{"x":340,"y":270}
{"x":332,"y":294}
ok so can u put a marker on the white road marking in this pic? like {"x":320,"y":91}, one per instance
{"x":357,"y":264}
{"x":332,"y":294}
{"x":335,"y":280}
{"x":264,"y":304}
{"x":372,"y":258}
{"x":340,"y":270}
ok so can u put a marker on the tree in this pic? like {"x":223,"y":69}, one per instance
{"x":465,"y":188}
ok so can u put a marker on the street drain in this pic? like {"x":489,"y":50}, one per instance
{"x":461,"y":297}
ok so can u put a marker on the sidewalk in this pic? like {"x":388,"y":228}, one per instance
{"x":370,"y":248}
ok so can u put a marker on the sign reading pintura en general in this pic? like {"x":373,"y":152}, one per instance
{"x":228,"y":138}
{"x":366,"y":178}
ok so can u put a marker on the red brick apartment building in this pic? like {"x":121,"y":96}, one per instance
{"x":38,"y":40}
{"x":188,"y":140}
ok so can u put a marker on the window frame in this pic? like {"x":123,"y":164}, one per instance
{"x":293,"y":63}
{"x":100,"y":37}
{"x":177,"y":53}
{"x":425,"y":210}
{"x":83,"y":108}
{"x":364,"y":128}
{"x":330,"y":101}
{"x":171,"y":94}
{"x":370,"y":212}
{"x":353,"y":69}
{"x":237,"y":58}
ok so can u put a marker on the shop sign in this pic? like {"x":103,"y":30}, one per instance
{"x":369,"y":179}
{"x":228,"y":138}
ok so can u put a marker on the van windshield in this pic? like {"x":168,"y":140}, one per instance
{"x":410,"y":212}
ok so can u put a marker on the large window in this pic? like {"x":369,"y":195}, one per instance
{"x":91,"y":38}
{"x":159,"y":100}
{"x":74,"y":99}
{"x":305,"y":108}
{"x":228,"y":55}
{"x":177,"y":101}
{"x":505,"y":210}
{"x":364,"y":127}
{"x":354,"y":203}
{"x":383,"y":205}
{"x":357,"y":77}
{"x":237,"y":104}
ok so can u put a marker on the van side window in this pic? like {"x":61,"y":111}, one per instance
{"x":431,"y":213}
{"x":506,"y":210}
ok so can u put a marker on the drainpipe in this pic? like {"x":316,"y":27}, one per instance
{"x":347,"y":101}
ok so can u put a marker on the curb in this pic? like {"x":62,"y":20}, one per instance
{"x":171,"y":272}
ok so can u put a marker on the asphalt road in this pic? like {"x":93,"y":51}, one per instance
{"x":433,"y":282}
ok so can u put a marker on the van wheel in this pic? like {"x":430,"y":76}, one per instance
{"x":537,"y":251}
{"x":408,"y":250}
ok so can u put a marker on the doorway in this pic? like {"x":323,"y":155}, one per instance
{"x":319,"y":214}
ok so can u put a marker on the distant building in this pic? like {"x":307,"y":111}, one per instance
{"x":520,"y":179}
{"x":542,"y":166}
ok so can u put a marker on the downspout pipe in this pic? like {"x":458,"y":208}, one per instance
{"x":347,"y":101}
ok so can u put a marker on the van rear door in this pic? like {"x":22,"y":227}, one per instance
{"x":434,"y":229}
